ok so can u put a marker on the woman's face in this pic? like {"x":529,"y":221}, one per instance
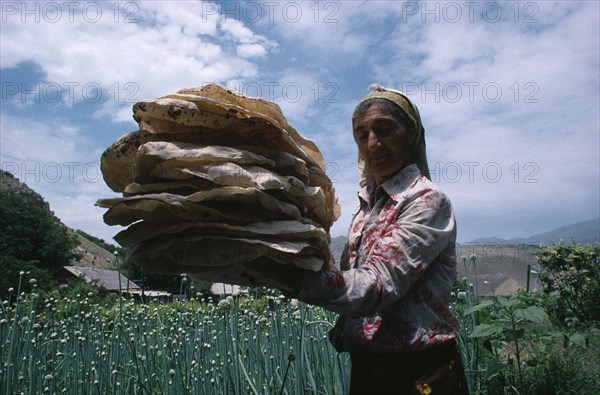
{"x":383,"y":141}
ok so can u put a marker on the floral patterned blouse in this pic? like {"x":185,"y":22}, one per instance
{"x":397,"y":270}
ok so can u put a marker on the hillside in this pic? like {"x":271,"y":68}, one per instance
{"x":92,"y":255}
{"x":501,"y":268}
{"x":8,"y":182}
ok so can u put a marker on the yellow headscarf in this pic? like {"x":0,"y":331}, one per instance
{"x":417,"y":149}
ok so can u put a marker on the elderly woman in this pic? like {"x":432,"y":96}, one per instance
{"x":398,"y":268}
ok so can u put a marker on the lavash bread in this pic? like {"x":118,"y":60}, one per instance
{"x":220,"y":186}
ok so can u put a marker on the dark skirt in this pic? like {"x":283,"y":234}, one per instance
{"x":436,"y":371}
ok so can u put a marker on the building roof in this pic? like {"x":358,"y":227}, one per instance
{"x":226,"y":289}
{"x":151,"y":294}
{"x":108,"y":279}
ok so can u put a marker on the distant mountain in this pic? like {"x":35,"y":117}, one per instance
{"x":587,"y":232}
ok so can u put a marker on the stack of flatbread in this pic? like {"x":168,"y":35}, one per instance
{"x":220,"y":186}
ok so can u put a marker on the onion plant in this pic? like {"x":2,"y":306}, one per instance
{"x":231,"y":346}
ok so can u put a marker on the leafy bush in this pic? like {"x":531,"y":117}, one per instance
{"x":568,"y":369}
{"x":514,"y":326}
{"x":526,"y":351}
{"x":573,"y":272}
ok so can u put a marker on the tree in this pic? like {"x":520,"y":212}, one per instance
{"x":573,"y":271}
{"x":31,"y":240}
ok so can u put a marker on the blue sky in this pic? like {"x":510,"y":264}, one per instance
{"x":508,"y":92}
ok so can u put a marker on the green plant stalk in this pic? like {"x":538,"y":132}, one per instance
{"x":517,"y":347}
{"x":470,"y":347}
{"x":287,"y":369}
{"x":476,"y":317}
{"x":236,"y":357}
{"x":10,"y":372}
{"x":248,"y":380}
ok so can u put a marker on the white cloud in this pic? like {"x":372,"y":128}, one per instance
{"x":250,"y":50}
{"x":250,"y":44}
{"x":543,"y":126}
{"x":542,"y":56}
{"x":168,"y":47}
{"x":329,"y":30}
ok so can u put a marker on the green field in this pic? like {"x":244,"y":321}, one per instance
{"x":243,"y":345}
{"x":264,"y":343}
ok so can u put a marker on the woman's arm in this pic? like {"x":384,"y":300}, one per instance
{"x":397,"y":260}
